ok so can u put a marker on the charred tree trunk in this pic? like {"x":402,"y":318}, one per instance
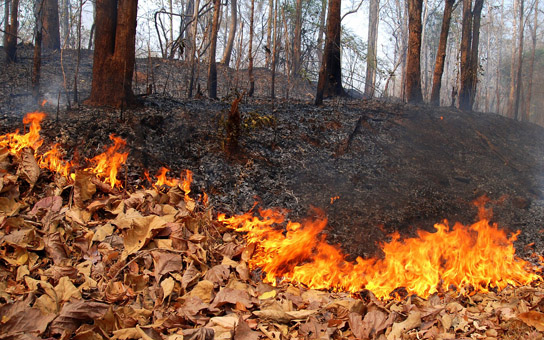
{"x":274,"y":53}
{"x":321,"y":32}
{"x":441,"y":53}
{"x":66,"y":22}
{"x":474,"y":56}
{"x":519,"y":63}
{"x":232,"y":33}
{"x":51,"y":31}
{"x":192,"y":48}
{"x":11,"y":32}
{"x":466,"y":43}
{"x":37,"y":59}
{"x":212,"y":70}
{"x":7,"y":4}
{"x":527,"y":108}
{"x":297,"y":39}
{"x":512,"y":93}
{"x":413,"y":67}
{"x":330,"y":74}
{"x":371,"y":56}
{"x":268,"y":46}
{"x":250,"y":66}
{"x":114,"y":53}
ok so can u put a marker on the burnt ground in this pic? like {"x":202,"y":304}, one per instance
{"x":394,"y":167}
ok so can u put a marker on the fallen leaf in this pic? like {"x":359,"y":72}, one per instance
{"x":167,"y":286}
{"x":242,"y":331}
{"x":51,"y":203}
{"x":198,"y":334}
{"x":232,"y":296}
{"x":142,"y":230}
{"x":55,"y":248}
{"x":76,"y":312}
{"x":534,"y":319}
{"x":165,"y":263}
{"x":102,"y":232}
{"x":413,"y":321}
{"x":84,"y":188}
{"x":203,"y":290}
{"x":190,"y":276}
{"x":218,"y":274}
{"x":66,"y":290}
{"x":28,"y":169}
{"x":18,"y":319}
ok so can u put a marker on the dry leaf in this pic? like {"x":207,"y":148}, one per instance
{"x":203,"y":290}
{"x":18,"y":319}
{"x":84,"y":188}
{"x":232,"y":296}
{"x":413,"y":321}
{"x":29,"y":169}
{"x":534,"y":319}
{"x":198,"y":334}
{"x":242,"y":331}
{"x":167,"y":286}
{"x":66,"y":290}
{"x":142,"y":230}
{"x":55,"y":248}
{"x":218,"y":274}
{"x":165,"y":263}
{"x":190,"y":276}
{"x":76,"y":312}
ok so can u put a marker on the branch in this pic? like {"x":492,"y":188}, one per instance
{"x":352,"y":11}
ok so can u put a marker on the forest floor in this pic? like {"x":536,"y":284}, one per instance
{"x":373,"y":167}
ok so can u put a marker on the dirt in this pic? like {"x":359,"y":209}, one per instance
{"x":385,"y":167}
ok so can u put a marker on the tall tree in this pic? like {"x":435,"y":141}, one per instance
{"x":65,"y":21}
{"x":527,"y":107}
{"x":469,"y":53}
{"x":212,"y":70}
{"x":114,"y":53}
{"x":37,"y":60}
{"x":232,"y":33}
{"x":250,"y":66}
{"x":519,"y":62}
{"x":371,"y":56}
{"x":321,"y":32}
{"x":51,"y":30}
{"x":330,"y":74}
{"x":192,"y":47}
{"x":274,"y":53}
{"x":441,"y":53}
{"x":413,"y":67}
{"x":297,"y":39}
{"x":12,"y":26}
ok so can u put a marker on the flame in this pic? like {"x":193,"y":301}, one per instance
{"x":15,"y":142}
{"x":42,"y":104}
{"x":53,"y":161}
{"x":334,"y":198}
{"x":107,"y":164}
{"x":163,"y":180}
{"x":186,"y":184}
{"x":479,"y":257}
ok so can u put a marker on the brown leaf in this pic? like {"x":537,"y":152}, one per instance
{"x":55,"y":248}
{"x":355,"y":321}
{"x":9,"y":206}
{"x":190,"y":276}
{"x":143,"y":229}
{"x":243,"y":332}
{"x":29,"y":169}
{"x":218,"y":274}
{"x":198,"y":334}
{"x":375,"y":321}
{"x":165,"y":263}
{"x":232,"y":296}
{"x":413,"y":321}
{"x":203,"y":290}
{"x":76,"y":312}
{"x":534,"y":319}
{"x":19,"y":319}
{"x":51,"y":203}
{"x":84,"y":188}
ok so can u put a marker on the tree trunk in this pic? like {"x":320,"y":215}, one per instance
{"x":114,"y":53}
{"x":66,"y":22}
{"x":321,"y":33}
{"x":474,"y":49}
{"x":250,"y":66}
{"x":441,"y":53}
{"x":371,"y":56}
{"x":7,"y":4}
{"x":297,"y":39}
{"x":212,"y":70}
{"x":274,"y":53}
{"x":512,"y":93}
{"x":232,"y":33}
{"x":192,"y":48}
{"x":527,"y":108}
{"x":51,"y":33}
{"x":330,"y":74}
{"x":466,"y":43}
{"x":11,"y":33}
{"x":519,"y":61}
{"x":37,"y":60}
{"x":268,"y":56}
{"x":413,"y":66}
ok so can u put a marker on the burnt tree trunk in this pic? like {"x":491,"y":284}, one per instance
{"x":466,"y":43}
{"x":413,"y":66}
{"x":212,"y":69}
{"x":274,"y":54}
{"x":527,"y":108}
{"x":11,"y":32}
{"x":114,"y":53}
{"x":330,"y":74}
{"x":441,"y":53}
{"x":232,"y":33}
{"x":371,"y":56}
{"x":519,"y":63}
{"x":51,"y":31}
{"x":250,"y":66}
{"x":297,"y":39}
{"x":37,"y":59}
{"x":474,"y":56}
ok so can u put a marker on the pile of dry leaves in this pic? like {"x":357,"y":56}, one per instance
{"x":82,"y":260}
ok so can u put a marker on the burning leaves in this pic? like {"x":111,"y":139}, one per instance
{"x":154,"y":264}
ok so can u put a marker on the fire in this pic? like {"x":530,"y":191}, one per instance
{"x":163,"y":180}
{"x":186,"y":184}
{"x":479,"y":257}
{"x":15,"y":142}
{"x":107,"y":164}
{"x":53,"y":160}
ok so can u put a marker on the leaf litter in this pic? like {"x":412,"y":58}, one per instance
{"x":84,"y":260}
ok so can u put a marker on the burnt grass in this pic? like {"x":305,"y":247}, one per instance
{"x":391,"y":167}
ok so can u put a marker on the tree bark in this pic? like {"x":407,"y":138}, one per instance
{"x":474,"y":56}
{"x":212,"y":70}
{"x":519,"y":61}
{"x":371,"y":56}
{"x":268,"y":47}
{"x":441,"y":53}
{"x":413,"y":66}
{"x":114,"y":53}
{"x":37,"y":59}
{"x":192,"y":48}
{"x":330,"y":74}
{"x":250,"y":66}
{"x":466,"y":43}
{"x":512,"y":93}
{"x":51,"y":31}
{"x":297,"y":39}
{"x":232,"y":33}
{"x":11,"y":33}
{"x":66,"y":21}
{"x":7,"y":5}
{"x":274,"y":53}
{"x":321,"y":33}
{"x":527,"y":108}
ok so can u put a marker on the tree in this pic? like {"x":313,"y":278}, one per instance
{"x":469,"y":53}
{"x":114,"y":53}
{"x":12,"y":25}
{"x":519,"y":62}
{"x":297,"y":39}
{"x":527,"y":107}
{"x":51,"y":30}
{"x":330,"y":74}
{"x":413,"y":67}
{"x":441,"y":53}
{"x":212,"y":70}
{"x":232,"y":33}
{"x":371,"y":58}
{"x":250,"y":66}
{"x":37,"y":59}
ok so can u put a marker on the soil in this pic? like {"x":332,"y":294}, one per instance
{"x":374,"y":167}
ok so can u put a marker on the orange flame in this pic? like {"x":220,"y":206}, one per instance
{"x":163,"y":180}
{"x":53,"y":161}
{"x":15,"y":142}
{"x":107,"y":164}
{"x":186,"y":184}
{"x":480,"y":256}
